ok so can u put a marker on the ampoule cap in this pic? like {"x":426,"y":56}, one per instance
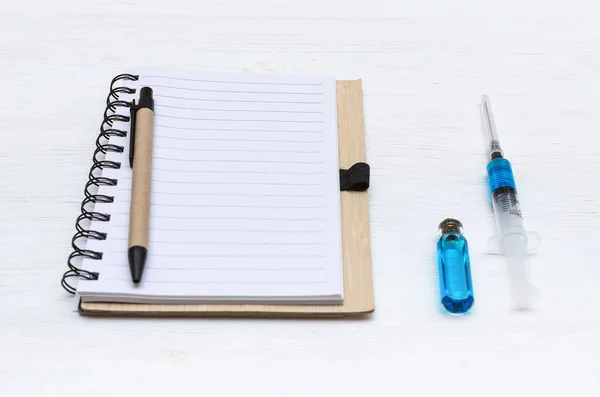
{"x":450,"y":225}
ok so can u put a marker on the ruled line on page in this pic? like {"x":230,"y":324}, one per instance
{"x":239,"y":130}
{"x":234,"y":91}
{"x":243,"y":110}
{"x":216,"y":282}
{"x":239,"y":161}
{"x":236,"y":139}
{"x":224,"y":242}
{"x":236,"y":172}
{"x":221,"y":218}
{"x":232,"y":194}
{"x":228,"y":230}
{"x":237,"y":100}
{"x":156,"y":114}
{"x":225,"y":256}
{"x":237,"y":150}
{"x":231,"y":82}
{"x":237,"y":206}
{"x":127,"y":178}
{"x":199,"y":269}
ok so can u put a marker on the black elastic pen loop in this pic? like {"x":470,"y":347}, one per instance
{"x":356,"y":178}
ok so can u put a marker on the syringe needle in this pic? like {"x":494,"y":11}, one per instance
{"x":490,"y":127}
{"x":488,"y":118}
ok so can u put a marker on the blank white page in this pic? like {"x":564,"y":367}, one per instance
{"x":245,"y":200}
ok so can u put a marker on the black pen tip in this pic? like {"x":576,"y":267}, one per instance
{"x":137,"y":260}
{"x":136,"y":275}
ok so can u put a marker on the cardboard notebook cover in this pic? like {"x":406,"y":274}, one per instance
{"x":356,"y":251}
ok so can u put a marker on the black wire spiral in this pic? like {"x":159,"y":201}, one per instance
{"x":99,"y":163}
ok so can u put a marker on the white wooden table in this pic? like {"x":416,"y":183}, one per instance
{"x":423,"y":64}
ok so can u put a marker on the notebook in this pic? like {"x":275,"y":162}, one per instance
{"x":245,"y":202}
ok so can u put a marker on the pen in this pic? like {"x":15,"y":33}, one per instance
{"x":140,"y":160}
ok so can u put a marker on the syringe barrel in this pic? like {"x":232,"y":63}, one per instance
{"x":507,"y":212}
{"x":500,"y":174}
{"x":504,"y":196}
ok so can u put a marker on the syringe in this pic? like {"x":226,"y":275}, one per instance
{"x":511,"y":240}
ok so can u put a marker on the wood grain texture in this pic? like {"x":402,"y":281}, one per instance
{"x":423,"y":65}
{"x":141,"y":183}
{"x":356,"y":252}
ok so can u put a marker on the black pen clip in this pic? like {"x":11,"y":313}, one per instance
{"x":132,"y":112}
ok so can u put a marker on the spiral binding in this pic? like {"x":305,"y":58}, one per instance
{"x":87,"y":213}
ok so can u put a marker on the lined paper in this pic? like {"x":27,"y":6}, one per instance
{"x":245,"y":194}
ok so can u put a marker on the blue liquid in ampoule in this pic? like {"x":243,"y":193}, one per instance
{"x":456,"y":287}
